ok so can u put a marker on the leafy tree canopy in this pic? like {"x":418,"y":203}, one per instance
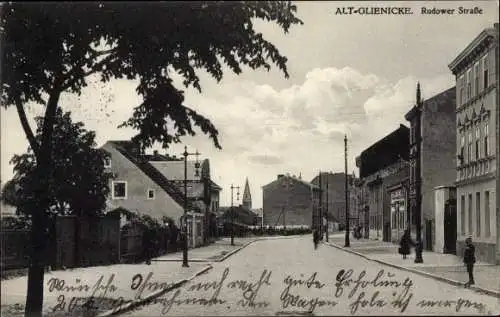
{"x":135,"y":41}
{"x":78,"y":182}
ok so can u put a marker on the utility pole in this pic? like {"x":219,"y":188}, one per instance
{"x":232,"y":211}
{"x":184,"y":225}
{"x":347,"y":243}
{"x":418,"y":249}
{"x":327,"y":181}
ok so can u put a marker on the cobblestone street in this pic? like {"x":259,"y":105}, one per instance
{"x":287,"y":276}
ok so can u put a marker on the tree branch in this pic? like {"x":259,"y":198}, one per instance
{"x":93,"y":70}
{"x":49,"y":120}
{"x":27,"y":129}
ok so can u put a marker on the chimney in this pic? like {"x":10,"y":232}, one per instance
{"x":280,"y":176}
{"x":155,"y":153}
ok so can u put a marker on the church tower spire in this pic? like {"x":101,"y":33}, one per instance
{"x":419,"y":95}
{"x":247,"y":197}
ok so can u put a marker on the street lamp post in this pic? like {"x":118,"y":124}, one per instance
{"x":327,"y":207}
{"x":232,"y":211}
{"x":184,"y":225}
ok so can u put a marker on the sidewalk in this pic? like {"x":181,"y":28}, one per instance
{"x":445,"y":267}
{"x":210,"y":253}
{"x":164,"y":271}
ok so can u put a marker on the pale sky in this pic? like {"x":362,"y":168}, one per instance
{"x":350,"y":74}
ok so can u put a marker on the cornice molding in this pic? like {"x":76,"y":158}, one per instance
{"x":482,"y":41}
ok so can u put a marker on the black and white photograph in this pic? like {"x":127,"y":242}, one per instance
{"x":249,"y":158}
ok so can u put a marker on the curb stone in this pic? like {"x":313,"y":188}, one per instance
{"x":229,"y":253}
{"x":436,"y":277}
{"x":138,"y":302}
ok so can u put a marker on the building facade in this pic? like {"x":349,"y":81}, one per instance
{"x":476,"y":73}
{"x":332,"y":200}
{"x":291,"y":202}
{"x":136,"y":189}
{"x":154,"y":185}
{"x":202,"y":192}
{"x":432,"y":158}
{"x":383,"y":167}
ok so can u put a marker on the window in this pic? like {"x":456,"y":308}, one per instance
{"x":486,"y":140}
{"x":485,"y":72}
{"x":469,"y":84}
{"x":402,"y":215}
{"x":470,"y":215}
{"x":462,"y":214}
{"x":476,"y":79}
{"x":393,"y":210}
{"x":107,"y":162}
{"x":462,"y":149}
{"x":469,"y":149}
{"x":478,"y":140}
{"x":478,"y":214}
{"x":151,"y":193}
{"x":119,"y":190}
{"x":487,"y":231}
{"x":461,"y":96}
{"x":413,"y":132}
{"x":411,"y":172}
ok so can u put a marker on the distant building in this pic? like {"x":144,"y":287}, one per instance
{"x":291,"y":202}
{"x":477,"y":130}
{"x":242,"y":218}
{"x":202,"y":191}
{"x":432,"y":157}
{"x":333,"y":194}
{"x":383,"y":167}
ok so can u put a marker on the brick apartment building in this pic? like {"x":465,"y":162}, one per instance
{"x":432,"y":159}
{"x":383,"y":167}
{"x":477,"y":130}
{"x":332,"y":195}
{"x":290,"y":201}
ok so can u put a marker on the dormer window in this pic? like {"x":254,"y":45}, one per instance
{"x":107,"y":162}
{"x":151,"y":193}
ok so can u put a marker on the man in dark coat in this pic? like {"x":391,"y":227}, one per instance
{"x":315,"y":238}
{"x":469,"y":259}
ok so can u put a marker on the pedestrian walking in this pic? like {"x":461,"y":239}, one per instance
{"x":405,"y":244}
{"x":469,"y":260}
{"x":315,"y":238}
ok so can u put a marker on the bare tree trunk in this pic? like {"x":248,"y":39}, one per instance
{"x":34,"y":298}
{"x":43,"y":174}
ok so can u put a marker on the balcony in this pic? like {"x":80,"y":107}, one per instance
{"x":476,"y":170}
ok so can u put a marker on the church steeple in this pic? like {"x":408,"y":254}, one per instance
{"x":419,"y":97}
{"x":247,"y":197}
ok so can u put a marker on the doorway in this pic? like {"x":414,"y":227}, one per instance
{"x":450,"y":226}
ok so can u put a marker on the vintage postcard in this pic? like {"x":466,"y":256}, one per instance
{"x":250,"y":158}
